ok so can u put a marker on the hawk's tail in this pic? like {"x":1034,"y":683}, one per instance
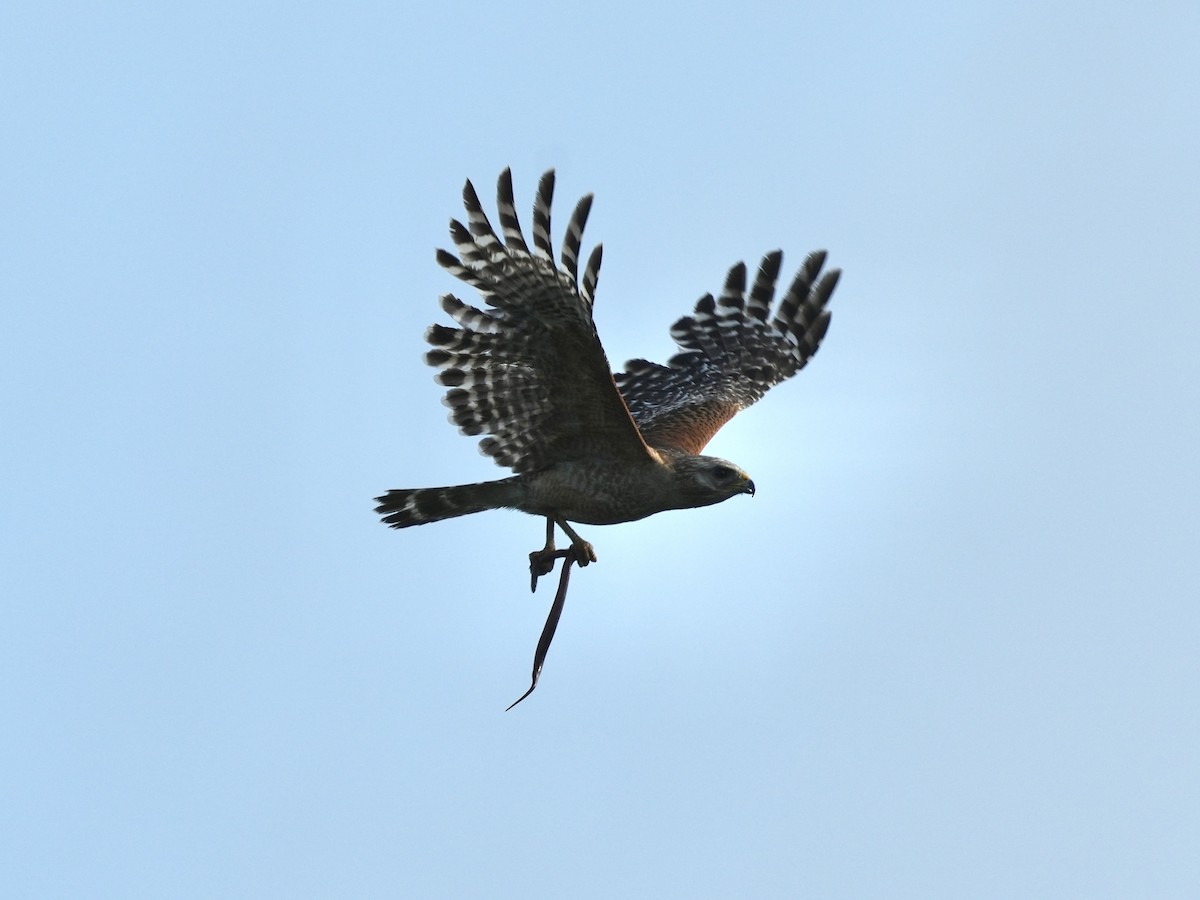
{"x":416,"y":506}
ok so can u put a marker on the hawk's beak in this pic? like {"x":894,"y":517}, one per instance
{"x":749,"y":488}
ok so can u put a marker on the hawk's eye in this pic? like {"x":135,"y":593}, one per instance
{"x":722,"y":473}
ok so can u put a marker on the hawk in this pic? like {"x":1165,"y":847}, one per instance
{"x":586,"y":445}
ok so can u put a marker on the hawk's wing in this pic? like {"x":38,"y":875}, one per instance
{"x":529,"y":370}
{"x":732,"y":354}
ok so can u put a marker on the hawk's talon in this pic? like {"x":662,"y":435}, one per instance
{"x":583,"y":553}
{"x":541,"y":562}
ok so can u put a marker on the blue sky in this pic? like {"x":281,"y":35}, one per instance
{"x":949,"y":649}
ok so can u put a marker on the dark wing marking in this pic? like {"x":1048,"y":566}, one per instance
{"x":528,"y":370}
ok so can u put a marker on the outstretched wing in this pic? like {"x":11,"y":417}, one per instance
{"x":732,"y":354}
{"x":528,"y":371}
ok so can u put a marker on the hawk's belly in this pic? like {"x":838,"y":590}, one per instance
{"x":598,"y":493}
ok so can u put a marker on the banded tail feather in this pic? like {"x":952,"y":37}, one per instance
{"x":416,"y":506}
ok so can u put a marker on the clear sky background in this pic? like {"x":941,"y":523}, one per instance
{"x":951,"y":649}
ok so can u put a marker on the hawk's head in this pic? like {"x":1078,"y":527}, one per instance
{"x":704,"y":480}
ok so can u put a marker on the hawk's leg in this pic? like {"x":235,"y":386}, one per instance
{"x":584,"y":552}
{"x":541,"y":562}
